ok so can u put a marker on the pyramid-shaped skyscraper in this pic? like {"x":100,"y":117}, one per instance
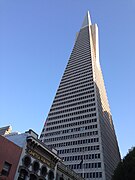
{"x":79,"y":124}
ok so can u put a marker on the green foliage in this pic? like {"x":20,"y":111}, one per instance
{"x":126,"y":168}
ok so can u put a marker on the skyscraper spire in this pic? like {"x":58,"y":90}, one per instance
{"x":87,"y":20}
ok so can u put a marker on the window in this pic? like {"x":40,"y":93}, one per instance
{"x":94,"y":175}
{"x":50,"y":175}
{"x":99,"y":165}
{"x":6,"y":169}
{"x":100,"y":174}
{"x":61,"y":178}
{"x":33,"y":177}
{"x":43,"y":171}
{"x":35,"y":166}
{"x":23,"y":174}
{"x":27,"y":161}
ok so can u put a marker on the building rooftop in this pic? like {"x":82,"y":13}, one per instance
{"x":5,"y":130}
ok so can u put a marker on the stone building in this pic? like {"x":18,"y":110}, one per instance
{"x":30,"y":159}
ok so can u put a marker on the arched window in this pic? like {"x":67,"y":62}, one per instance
{"x":50,"y":175}
{"x":43,"y":170}
{"x":23,"y":174}
{"x":27,"y":161}
{"x":61,"y":178}
{"x":35,"y":166}
{"x":33,"y":177}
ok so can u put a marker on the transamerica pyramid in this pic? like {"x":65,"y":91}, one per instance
{"x":79,"y":124}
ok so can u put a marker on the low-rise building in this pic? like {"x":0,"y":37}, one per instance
{"x":5,"y":130}
{"x":9,"y":158}
{"x":36,"y":161}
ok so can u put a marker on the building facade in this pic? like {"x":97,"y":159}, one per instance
{"x":5,"y":130}
{"x":9,"y":158}
{"x":79,"y":124}
{"x":37,"y":162}
{"x":25,"y":157}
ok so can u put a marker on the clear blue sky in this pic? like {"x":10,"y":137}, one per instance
{"x":36,"y":39}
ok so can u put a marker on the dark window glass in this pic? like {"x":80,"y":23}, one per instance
{"x":26,"y":161}
{"x":23,"y":174}
{"x":35,"y":166}
{"x":6,"y":169}
{"x":50,"y":175}
{"x":43,"y":171}
{"x":61,"y":178}
{"x":99,"y":165}
{"x":33,"y":177}
{"x":100,"y":174}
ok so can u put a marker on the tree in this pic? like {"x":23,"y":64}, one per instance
{"x":126,"y":168}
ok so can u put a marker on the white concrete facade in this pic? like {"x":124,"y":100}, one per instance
{"x":79,"y":124}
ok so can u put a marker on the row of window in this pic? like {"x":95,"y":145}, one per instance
{"x":80,"y":157}
{"x":35,"y":166}
{"x":60,"y":91}
{"x":92,"y":175}
{"x":75,"y":83}
{"x":74,"y":123}
{"x":73,"y":92}
{"x":71,"y":130}
{"x":83,"y":34}
{"x":82,"y":37}
{"x":72,"y":143}
{"x":76,"y":118}
{"x":73,"y":100}
{"x":78,"y":66}
{"x":78,"y":149}
{"x":78,"y":54}
{"x":80,"y":89}
{"x":72,"y":109}
{"x":80,"y":63}
{"x":73,"y":104}
{"x":75,"y":73}
{"x":80,"y":44}
{"x":77,"y":89}
{"x":72,"y":114}
{"x":74,"y":129}
{"x":85,"y":165}
{"x":81,"y":52}
{"x":78,"y":85}
{"x":74,"y":76}
{"x":78,"y":50}
{"x":83,"y":68}
{"x":80,"y":117}
{"x":80,"y":47}
{"x":73,"y":96}
{"x":72,"y":136}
